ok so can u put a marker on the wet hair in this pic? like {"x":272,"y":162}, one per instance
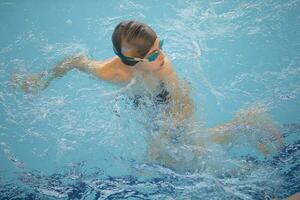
{"x":134,"y":35}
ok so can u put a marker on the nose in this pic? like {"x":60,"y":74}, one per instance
{"x":161,"y":55}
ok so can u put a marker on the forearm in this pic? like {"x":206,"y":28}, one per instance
{"x":179,"y":111}
{"x":41,"y":80}
{"x":182,"y":110}
{"x":79,"y":62}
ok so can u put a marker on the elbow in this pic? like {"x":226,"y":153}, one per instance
{"x":186,"y":111}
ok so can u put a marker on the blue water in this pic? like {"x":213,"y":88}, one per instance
{"x":80,"y":139}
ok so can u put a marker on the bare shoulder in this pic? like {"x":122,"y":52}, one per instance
{"x":113,"y":70}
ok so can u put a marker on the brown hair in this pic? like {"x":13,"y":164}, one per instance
{"x":136,"y":35}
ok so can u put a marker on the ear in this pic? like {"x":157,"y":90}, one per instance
{"x":129,"y":53}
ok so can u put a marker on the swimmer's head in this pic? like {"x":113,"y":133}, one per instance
{"x":135,"y":39}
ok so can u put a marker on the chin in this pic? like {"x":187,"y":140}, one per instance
{"x":156,"y":68}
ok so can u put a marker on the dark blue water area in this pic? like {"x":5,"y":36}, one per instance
{"x":80,"y":182}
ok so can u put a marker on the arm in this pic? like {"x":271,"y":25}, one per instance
{"x":100,"y":69}
{"x":181,"y":105}
{"x":244,"y":122}
{"x":180,"y":109}
{"x":108,"y":70}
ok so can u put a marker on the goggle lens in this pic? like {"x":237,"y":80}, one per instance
{"x":152,"y":57}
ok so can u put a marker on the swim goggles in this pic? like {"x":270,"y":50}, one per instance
{"x":150,"y":58}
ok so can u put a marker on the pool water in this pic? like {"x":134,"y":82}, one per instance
{"x":82,"y":139}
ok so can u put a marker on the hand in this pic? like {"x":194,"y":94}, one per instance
{"x":61,"y":70}
{"x":34,"y":83}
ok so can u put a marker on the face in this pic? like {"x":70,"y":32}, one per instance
{"x":155,"y":65}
